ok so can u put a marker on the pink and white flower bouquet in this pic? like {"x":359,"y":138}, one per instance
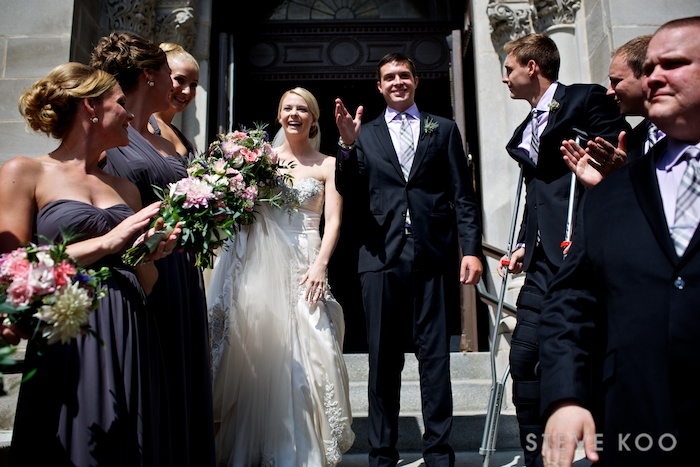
{"x":219,"y":194}
{"x":44,"y":290}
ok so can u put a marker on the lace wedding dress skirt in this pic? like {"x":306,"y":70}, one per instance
{"x":280,"y":381}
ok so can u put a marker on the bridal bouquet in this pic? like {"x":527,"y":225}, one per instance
{"x":218,"y":195}
{"x":43,"y":289}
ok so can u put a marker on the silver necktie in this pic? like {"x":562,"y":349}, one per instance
{"x":407,"y":151}
{"x":687,"y":202}
{"x":535,"y":141}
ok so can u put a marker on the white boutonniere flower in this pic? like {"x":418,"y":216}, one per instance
{"x":430,"y":125}
{"x":553,"y":106}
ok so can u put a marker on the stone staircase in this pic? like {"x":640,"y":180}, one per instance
{"x":471,"y":387}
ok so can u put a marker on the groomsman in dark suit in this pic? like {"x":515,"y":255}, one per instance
{"x":531,"y":72}
{"x":599,"y":158}
{"x":420,"y":237}
{"x":620,"y":324}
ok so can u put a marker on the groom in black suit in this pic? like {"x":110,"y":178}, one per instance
{"x":531,"y":72}
{"x":420,"y":237}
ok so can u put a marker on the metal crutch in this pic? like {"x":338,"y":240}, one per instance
{"x":488,"y":442}
{"x":572,"y":197}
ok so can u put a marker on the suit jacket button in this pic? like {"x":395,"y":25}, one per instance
{"x":679,"y":283}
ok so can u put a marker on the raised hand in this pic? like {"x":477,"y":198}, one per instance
{"x":348,"y":126}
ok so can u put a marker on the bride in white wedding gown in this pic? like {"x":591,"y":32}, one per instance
{"x":280,"y":381}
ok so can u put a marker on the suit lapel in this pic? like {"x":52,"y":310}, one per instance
{"x":646,"y":189}
{"x":559,"y":96}
{"x":512,"y":147}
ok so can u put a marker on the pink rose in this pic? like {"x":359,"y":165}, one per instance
{"x":20,"y":292}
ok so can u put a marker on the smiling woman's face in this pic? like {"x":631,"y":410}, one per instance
{"x":185,"y":76}
{"x":295,"y":116}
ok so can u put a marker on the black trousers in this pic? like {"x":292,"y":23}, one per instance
{"x":406,"y":312}
{"x":524,"y":356}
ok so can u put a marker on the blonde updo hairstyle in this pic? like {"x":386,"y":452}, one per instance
{"x":314,"y":131}
{"x":177,"y":52}
{"x":125,"y":56}
{"x":50,"y":104}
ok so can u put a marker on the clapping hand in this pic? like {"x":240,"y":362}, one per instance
{"x":596,"y":161}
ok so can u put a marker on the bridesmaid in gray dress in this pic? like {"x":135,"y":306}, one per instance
{"x":184,"y":72}
{"x":93,"y":401}
{"x":178,"y":300}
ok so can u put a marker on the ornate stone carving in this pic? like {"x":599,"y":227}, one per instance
{"x":507,"y":23}
{"x":136,"y":17}
{"x":554,"y":12}
{"x":177,"y":25}
{"x":156,"y":20}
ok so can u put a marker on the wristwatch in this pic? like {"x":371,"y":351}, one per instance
{"x":343,"y":146}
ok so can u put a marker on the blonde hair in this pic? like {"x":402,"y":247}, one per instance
{"x":50,"y":104}
{"x":176,"y":51}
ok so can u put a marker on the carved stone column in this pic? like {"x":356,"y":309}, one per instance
{"x":550,"y":13}
{"x":511,"y":19}
{"x":508,"y":20}
{"x":556,"y":18}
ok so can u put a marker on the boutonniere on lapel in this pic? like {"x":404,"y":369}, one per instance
{"x":553,"y":106}
{"x":430,"y":125}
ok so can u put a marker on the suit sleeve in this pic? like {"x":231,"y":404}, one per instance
{"x":466,"y":209}
{"x":604,"y":117}
{"x":567,"y":328}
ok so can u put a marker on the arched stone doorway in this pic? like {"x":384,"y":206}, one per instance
{"x":330,"y":47}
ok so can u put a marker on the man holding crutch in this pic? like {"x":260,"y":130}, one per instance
{"x":531,"y":72}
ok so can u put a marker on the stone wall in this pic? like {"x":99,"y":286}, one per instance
{"x":35,"y":36}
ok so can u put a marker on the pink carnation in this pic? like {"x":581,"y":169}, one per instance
{"x":62,"y":273}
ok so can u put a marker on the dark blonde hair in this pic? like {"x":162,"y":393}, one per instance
{"x":173,"y":50}
{"x":634,"y":52}
{"x":125,"y":56}
{"x":50,"y":104}
{"x":310,"y":101}
{"x":540,"y":48}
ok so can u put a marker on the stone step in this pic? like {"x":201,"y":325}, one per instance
{"x":471,"y":388}
{"x":467,"y":433}
{"x":467,"y":396}
{"x":471,"y":383}
{"x":463,"y":365}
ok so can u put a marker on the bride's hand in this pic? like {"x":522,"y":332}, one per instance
{"x":315,"y":280}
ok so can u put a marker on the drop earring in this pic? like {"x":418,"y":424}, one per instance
{"x":94,"y":119}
